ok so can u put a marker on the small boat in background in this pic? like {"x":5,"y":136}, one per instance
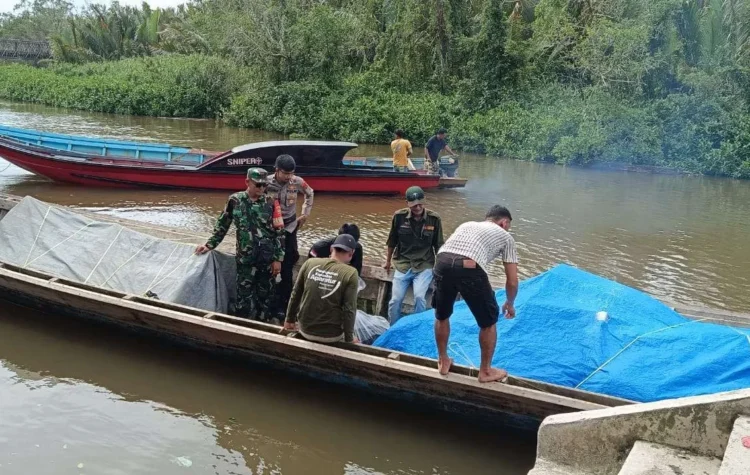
{"x":116,"y":163}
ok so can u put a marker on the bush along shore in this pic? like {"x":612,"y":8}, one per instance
{"x":648,"y":83}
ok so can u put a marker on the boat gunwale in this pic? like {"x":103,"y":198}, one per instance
{"x":188,"y":155}
{"x":84,"y":138}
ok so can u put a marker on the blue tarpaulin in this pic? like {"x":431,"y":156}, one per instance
{"x":644,"y":351}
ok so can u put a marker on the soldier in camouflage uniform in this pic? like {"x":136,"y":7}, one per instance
{"x":259,"y":247}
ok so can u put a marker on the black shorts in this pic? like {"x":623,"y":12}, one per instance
{"x":450,"y":278}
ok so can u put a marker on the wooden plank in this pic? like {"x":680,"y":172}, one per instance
{"x":381,"y":304}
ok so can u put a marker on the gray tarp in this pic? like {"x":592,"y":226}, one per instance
{"x":38,"y":236}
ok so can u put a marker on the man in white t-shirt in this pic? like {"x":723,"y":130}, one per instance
{"x":460,"y":268}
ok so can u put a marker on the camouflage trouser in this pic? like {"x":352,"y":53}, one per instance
{"x":255,"y":292}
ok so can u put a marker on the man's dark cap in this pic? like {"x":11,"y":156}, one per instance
{"x":345,"y":242}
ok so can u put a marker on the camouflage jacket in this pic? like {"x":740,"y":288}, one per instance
{"x":253,"y":221}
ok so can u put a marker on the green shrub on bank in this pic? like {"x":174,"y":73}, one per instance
{"x":172,"y":86}
{"x":565,"y":126}
{"x":353,"y":112}
{"x":697,"y":132}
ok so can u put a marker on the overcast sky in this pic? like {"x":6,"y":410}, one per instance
{"x":7,"y":5}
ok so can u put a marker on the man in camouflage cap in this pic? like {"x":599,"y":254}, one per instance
{"x":415,"y":237}
{"x":259,"y":249}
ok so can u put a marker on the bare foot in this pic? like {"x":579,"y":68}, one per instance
{"x":493,"y":374}
{"x":444,"y":365}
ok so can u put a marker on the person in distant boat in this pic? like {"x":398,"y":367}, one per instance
{"x":461,"y":268}
{"x":324,"y":298}
{"x":432,"y":149}
{"x":259,"y":248}
{"x":401,"y":152}
{"x":416,"y":235}
{"x":322,"y":248}
{"x":285,"y":186}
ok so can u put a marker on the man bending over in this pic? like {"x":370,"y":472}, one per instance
{"x":460,"y":268}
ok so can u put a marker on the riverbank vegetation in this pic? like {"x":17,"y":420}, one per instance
{"x":646,"y":82}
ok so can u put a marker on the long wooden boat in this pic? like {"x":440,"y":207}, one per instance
{"x":114,"y":163}
{"x":520,"y":403}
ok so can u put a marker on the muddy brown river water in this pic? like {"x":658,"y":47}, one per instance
{"x":76,"y":399}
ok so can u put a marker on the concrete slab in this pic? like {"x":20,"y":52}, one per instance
{"x":599,"y":441}
{"x":737,"y":457}
{"x":647,"y":458}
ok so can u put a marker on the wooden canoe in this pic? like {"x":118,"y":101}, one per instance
{"x":520,"y":403}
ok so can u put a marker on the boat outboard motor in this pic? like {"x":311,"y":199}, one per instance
{"x":285,"y":163}
{"x":449,"y":169}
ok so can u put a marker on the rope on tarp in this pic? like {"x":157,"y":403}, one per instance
{"x":33,"y":245}
{"x":622,"y":350}
{"x":170,"y":273}
{"x":151,"y":285}
{"x":126,"y":262}
{"x":105,"y":253}
{"x":154,"y":282}
{"x":133,"y":257}
{"x":58,"y":244}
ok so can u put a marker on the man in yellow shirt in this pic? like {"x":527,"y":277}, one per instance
{"x":401,"y":152}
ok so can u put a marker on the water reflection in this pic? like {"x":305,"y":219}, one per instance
{"x":74,"y":394}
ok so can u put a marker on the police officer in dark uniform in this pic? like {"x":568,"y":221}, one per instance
{"x":415,"y":237}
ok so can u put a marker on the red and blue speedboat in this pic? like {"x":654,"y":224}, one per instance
{"x":116,"y":163}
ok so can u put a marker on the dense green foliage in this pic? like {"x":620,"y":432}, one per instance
{"x":647,"y":82}
{"x":196,"y":86}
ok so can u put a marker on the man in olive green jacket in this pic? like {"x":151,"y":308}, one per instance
{"x":416,"y":236}
{"x":324,"y":298}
